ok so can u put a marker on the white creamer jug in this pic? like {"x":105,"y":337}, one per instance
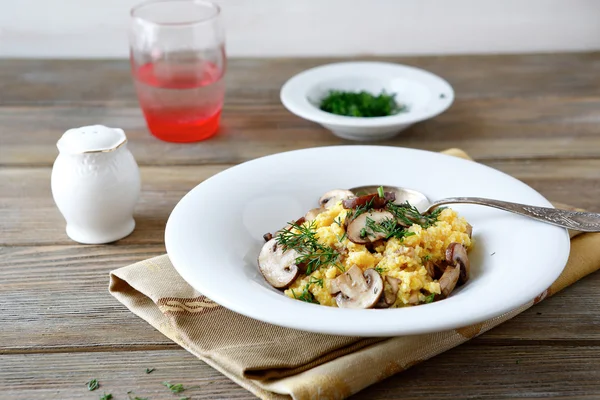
{"x":95,"y":184}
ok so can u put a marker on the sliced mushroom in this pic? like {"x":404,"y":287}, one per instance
{"x":290,"y":226}
{"x":277,"y":266}
{"x":449,"y":279}
{"x":430,"y":267}
{"x":469,"y":230}
{"x":373,"y":199}
{"x":456,"y":255}
{"x":414,"y":298}
{"x":358,"y":289}
{"x":389,"y":296}
{"x":359,"y":233}
{"x":372,"y":246}
{"x":330,"y":198}
{"x":312,"y":214}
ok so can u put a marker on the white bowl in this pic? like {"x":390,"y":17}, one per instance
{"x":425,"y":95}
{"x":214,"y":235}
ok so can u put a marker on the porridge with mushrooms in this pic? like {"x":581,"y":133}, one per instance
{"x":368,"y":252}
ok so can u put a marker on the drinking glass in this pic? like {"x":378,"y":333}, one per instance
{"x":177,"y":54}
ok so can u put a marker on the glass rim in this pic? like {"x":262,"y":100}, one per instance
{"x":214,"y":6}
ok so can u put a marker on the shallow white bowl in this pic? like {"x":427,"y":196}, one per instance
{"x":214,"y":235}
{"x":425,"y":95}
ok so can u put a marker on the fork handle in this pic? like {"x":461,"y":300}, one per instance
{"x":575,"y":220}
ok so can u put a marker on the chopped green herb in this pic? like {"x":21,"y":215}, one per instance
{"x":136,"y":397}
{"x":389,"y":227}
{"x":408,"y":214}
{"x":175,"y":388}
{"x":341,"y":238}
{"x":306,"y":295}
{"x":149,"y":370}
{"x":338,"y":221}
{"x":381,"y":270}
{"x":363,"y":233}
{"x":427,"y":257}
{"x":106,"y":396}
{"x":92,"y":384}
{"x":303,"y":239}
{"x":380,"y":191}
{"x":313,"y":280}
{"x":361,"y":104}
{"x":354,"y":213}
{"x":429,"y":298}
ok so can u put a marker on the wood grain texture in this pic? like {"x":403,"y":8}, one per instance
{"x":556,"y":127}
{"x":257,"y":81}
{"x":470,"y":371}
{"x":41,"y":312}
{"x":26,"y":203}
{"x":506,"y":106}
{"x":536,"y":117}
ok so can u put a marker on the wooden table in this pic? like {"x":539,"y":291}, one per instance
{"x":536,"y":117}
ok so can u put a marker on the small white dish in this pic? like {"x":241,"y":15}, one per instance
{"x":424,"y":94}
{"x":214,"y":236}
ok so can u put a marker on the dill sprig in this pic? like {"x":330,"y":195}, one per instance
{"x":174,"y":388}
{"x":135,"y":397}
{"x":389,"y":227}
{"x":306,"y":295}
{"x":408,"y":214}
{"x":355,"y":212}
{"x":92,"y":384}
{"x":303,"y":239}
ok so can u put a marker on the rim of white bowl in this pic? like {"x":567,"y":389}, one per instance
{"x":293,"y":94}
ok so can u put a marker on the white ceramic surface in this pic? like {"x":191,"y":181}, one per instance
{"x":95,"y":184}
{"x":214,"y":235}
{"x":425,"y":95}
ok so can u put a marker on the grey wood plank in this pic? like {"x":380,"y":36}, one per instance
{"x":489,"y":129}
{"x":257,"y":81}
{"x":55,"y":298}
{"x":28,"y":215}
{"x":467,"y":372}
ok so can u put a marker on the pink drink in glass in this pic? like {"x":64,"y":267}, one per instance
{"x":178,"y":62}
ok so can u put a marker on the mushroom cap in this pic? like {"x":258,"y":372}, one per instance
{"x":469,"y":230}
{"x":268,"y":236}
{"x":449,"y":279}
{"x":373,"y":199}
{"x":358,"y":289}
{"x":312,"y":214}
{"x":330,"y":198}
{"x":389,"y":296}
{"x":456,"y":254}
{"x":278,"y":266}
{"x":355,"y":228}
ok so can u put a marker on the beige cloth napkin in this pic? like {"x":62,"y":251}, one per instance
{"x":276,"y":363}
